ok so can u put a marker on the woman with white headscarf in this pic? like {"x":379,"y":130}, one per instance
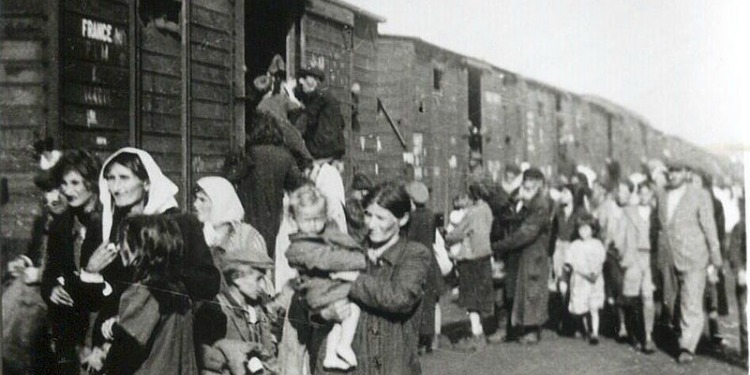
{"x":219,"y":209}
{"x":132,"y":183}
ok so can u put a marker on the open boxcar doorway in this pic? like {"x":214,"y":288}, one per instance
{"x":269,"y":30}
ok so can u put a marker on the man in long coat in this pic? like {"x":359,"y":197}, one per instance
{"x":526,"y":284}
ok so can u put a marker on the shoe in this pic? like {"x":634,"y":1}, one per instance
{"x":499,"y":337}
{"x":529,"y":339}
{"x":594,"y":340}
{"x":471,"y":344}
{"x":649,"y":347}
{"x":685,"y":357}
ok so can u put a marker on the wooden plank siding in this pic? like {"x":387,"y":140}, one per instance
{"x":25,"y":68}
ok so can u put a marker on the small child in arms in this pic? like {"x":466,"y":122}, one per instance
{"x":319,"y":250}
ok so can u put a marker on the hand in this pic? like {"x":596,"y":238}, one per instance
{"x":95,"y":360}
{"x":563,"y":287}
{"x":741,"y":277}
{"x":712,"y":274}
{"x":31,"y":275}
{"x":60,"y":297}
{"x":345,"y":275}
{"x":337,"y":312}
{"x":101,"y":258}
{"x":107,"y":326}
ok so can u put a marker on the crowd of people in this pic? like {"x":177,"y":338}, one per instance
{"x":276,"y":270}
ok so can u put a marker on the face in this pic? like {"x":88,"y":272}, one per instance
{"x":529,"y":188}
{"x":677,"y":178}
{"x":310,"y":220}
{"x":75,"y":189}
{"x":623,"y":194}
{"x":585,"y":232}
{"x":381,"y":223}
{"x":598,"y":192}
{"x":250,"y":282}
{"x":55,"y":201}
{"x":646,"y":195}
{"x":308,"y":84}
{"x":202,"y":205}
{"x":566,"y":196}
{"x":126,"y":188}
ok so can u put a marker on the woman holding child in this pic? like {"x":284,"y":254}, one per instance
{"x":388,"y":292}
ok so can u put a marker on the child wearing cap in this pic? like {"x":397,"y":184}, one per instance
{"x":319,"y":250}
{"x":236,"y":332}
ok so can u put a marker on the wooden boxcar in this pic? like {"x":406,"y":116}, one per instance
{"x":421,"y":125}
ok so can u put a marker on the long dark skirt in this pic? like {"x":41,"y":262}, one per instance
{"x":475,"y":285}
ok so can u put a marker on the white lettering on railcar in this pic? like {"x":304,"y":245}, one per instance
{"x":96,"y":30}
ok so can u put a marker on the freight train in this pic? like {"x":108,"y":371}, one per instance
{"x":175,"y":78}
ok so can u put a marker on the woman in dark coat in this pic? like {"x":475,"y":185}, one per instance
{"x":132,"y":183}
{"x":76,"y":174}
{"x":389,"y":292}
{"x":270,"y":171}
{"x":530,"y":241}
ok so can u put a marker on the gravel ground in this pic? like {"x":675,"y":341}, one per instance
{"x":564,"y":355}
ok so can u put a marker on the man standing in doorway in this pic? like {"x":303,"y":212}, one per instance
{"x":689,"y":236}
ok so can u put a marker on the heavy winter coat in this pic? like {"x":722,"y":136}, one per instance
{"x":527,"y":278}
{"x":271,"y":171}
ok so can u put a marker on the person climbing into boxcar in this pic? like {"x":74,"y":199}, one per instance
{"x":422,"y":230}
{"x":322,"y":127}
{"x":271,"y":170}
{"x":132,"y":183}
{"x":474,"y":264}
{"x":279,"y":100}
{"x":527,"y":291}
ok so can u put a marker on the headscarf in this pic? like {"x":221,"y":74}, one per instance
{"x":225,"y":206}
{"x":160,"y":194}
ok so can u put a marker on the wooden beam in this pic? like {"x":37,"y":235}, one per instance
{"x":186,"y":99}
{"x":381,"y":107}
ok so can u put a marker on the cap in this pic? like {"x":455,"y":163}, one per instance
{"x":254,"y":255}
{"x":262,"y":83}
{"x":533,"y":174}
{"x":418,"y":192}
{"x":312,"y":71}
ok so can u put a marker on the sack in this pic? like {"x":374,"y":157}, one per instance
{"x":441,"y":254}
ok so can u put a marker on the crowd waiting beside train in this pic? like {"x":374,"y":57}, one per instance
{"x":279,"y":269}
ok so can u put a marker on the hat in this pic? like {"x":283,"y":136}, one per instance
{"x":361,"y":182}
{"x":678,"y":166}
{"x":277,"y":65}
{"x":533,"y":174}
{"x":418,"y":192}
{"x":262,"y":83}
{"x":312,"y":71}
{"x":44,"y":180}
{"x":254,"y":256}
